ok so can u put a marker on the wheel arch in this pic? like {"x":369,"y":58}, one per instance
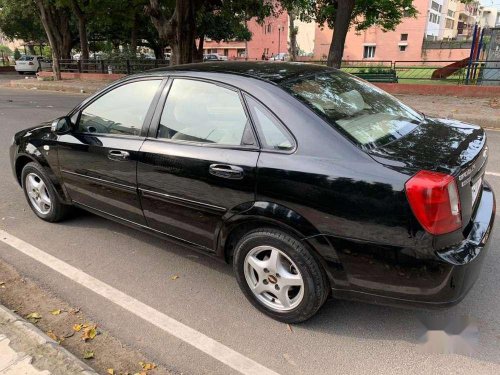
{"x":23,"y":159}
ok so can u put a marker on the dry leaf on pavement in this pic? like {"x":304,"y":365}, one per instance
{"x":110,"y":371}
{"x":147,"y":366}
{"x":77,"y":327}
{"x":88,"y":354}
{"x":34,"y":317}
{"x":89,"y":333}
{"x":175,"y":277}
{"x":56,"y":312}
{"x":52,"y":335}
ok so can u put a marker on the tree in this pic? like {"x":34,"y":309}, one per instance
{"x":55,"y":19}
{"x":19,"y":20}
{"x":17,"y":54}
{"x":181,"y":22}
{"x":340,"y":15}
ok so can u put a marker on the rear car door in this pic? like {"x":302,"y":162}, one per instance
{"x":199,"y":163}
{"x":98,"y":158}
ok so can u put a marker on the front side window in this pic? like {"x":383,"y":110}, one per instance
{"x":360,"y":110}
{"x":119,"y":111}
{"x":273,"y":135}
{"x":203,"y":112}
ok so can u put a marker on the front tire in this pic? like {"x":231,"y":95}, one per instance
{"x":41,"y":194}
{"x":279,"y":275}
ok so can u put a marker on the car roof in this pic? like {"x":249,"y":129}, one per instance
{"x":269,"y":71}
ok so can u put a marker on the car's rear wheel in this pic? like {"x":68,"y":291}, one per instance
{"x":41,"y":195}
{"x":279,"y":275}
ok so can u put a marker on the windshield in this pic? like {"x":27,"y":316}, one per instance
{"x":363,"y":112}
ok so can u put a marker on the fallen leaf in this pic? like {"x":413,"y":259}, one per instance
{"x":89,"y":333}
{"x":77,"y":327}
{"x":34,"y":317}
{"x":289,"y":327}
{"x":147,"y":366}
{"x":52,"y":335}
{"x":110,"y":371}
{"x":88,"y":354}
{"x":74,"y":311}
{"x":55,"y":312}
{"x":175,"y":277}
{"x":2,"y":284}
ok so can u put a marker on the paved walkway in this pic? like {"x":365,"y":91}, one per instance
{"x":481,"y":111}
{"x":25,"y":350}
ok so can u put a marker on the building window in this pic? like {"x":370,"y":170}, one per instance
{"x":369,"y":52}
{"x":451,"y":14}
{"x":269,"y":29}
{"x":404,"y":37}
{"x":450,"y":24}
{"x":435,"y":6}
{"x":402,"y":48}
{"x":434,"y":18}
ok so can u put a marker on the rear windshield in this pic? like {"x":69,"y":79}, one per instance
{"x":363,"y":112}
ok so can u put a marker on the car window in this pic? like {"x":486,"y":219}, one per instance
{"x":203,"y":112}
{"x":26,"y":58}
{"x":273,"y":135}
{"x":121,"y":110}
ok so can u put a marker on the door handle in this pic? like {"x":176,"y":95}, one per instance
{"x":118,"y":155}
{"x":231,"y":172}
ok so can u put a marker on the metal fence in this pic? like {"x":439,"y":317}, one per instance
{"x":121,"y":66}
{"x":418,"y":71}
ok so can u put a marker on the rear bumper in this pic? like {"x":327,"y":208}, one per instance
{"x":439,"y":281}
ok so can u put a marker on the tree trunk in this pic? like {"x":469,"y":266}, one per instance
{"x":341,"y":27}
{"x":133,"y":37}
{"x":183,"y":27}
{"x":293,"y":36}
{"x":198,"y":53}
{"x":82,"y":30}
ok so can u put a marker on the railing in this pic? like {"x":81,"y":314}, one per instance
{"x":418,"y":71}
{"x":122,"y":66}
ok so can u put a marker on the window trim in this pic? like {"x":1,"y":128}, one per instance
{"x":287,"y":130}
{"x":155,"y":122}
{"x":149,"y":114}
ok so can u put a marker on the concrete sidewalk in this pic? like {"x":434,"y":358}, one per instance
{"x":24,"y":349}
{"x":480,"y":111}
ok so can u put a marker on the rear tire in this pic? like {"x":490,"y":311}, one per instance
{"x":279,"y":275}
{"x":41,"y":194}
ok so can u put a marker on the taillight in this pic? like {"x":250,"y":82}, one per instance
{"x":434,"y":200}
{"x":31,"y":63}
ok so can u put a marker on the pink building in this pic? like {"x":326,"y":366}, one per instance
{"x":269,"y":38}
{"x":403,"y":44}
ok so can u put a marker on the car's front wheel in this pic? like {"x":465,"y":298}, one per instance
{"x":41,"y":195}
{"x":279,"y":275}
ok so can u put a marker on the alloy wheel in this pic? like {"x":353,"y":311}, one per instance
{"x":38,"y":193}
{"x":273,"y":278}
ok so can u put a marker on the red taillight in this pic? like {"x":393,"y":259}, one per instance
{"x":435,"y":201}
{"x":31,"y":63}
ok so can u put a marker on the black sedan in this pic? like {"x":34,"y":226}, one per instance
{"x":311,"y":182}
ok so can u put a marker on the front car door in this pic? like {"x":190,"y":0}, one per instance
{"x":98,"y":158}
{"x":199,"y":162}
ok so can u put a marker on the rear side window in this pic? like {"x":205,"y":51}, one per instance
{"x":273,"y":135}
{"x":121,"y":110}
{"x":203,"y":112}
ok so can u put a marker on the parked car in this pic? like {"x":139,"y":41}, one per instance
{"x":210,"y":57}
{"x":214,"y":57}
{"x":32,"y":64}
{"x":309,"y":181}
{"x":280,"y":57}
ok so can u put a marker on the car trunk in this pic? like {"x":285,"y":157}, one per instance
{"x":445,"y":146}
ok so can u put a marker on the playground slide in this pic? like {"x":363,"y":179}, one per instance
{"x":448,"y":70}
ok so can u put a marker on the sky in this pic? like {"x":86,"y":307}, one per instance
{"x":488,"y":3}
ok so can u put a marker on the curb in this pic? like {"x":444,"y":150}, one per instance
{"x":79,"y":89}
{"x":36,"y":344}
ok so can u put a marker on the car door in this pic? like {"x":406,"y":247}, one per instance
{"x":98,"y":158}
{"x":199,"y":163}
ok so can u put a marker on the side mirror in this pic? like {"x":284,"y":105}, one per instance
{"x":61,"y":125}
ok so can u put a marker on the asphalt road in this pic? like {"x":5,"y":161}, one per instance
{"x":345,"y":337}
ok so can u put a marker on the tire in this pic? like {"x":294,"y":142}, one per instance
{"x":21,"y":73}
{"x":37,"y":189}
{"x":259,"y":258}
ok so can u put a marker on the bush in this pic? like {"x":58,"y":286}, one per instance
{"x":17,"y":54}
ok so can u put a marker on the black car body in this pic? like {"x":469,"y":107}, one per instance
{"x":347,"y":203}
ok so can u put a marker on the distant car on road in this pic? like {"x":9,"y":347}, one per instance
{"x":309,"y":181}
{"x":280,"y":57}
{"x":32,"y":64}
